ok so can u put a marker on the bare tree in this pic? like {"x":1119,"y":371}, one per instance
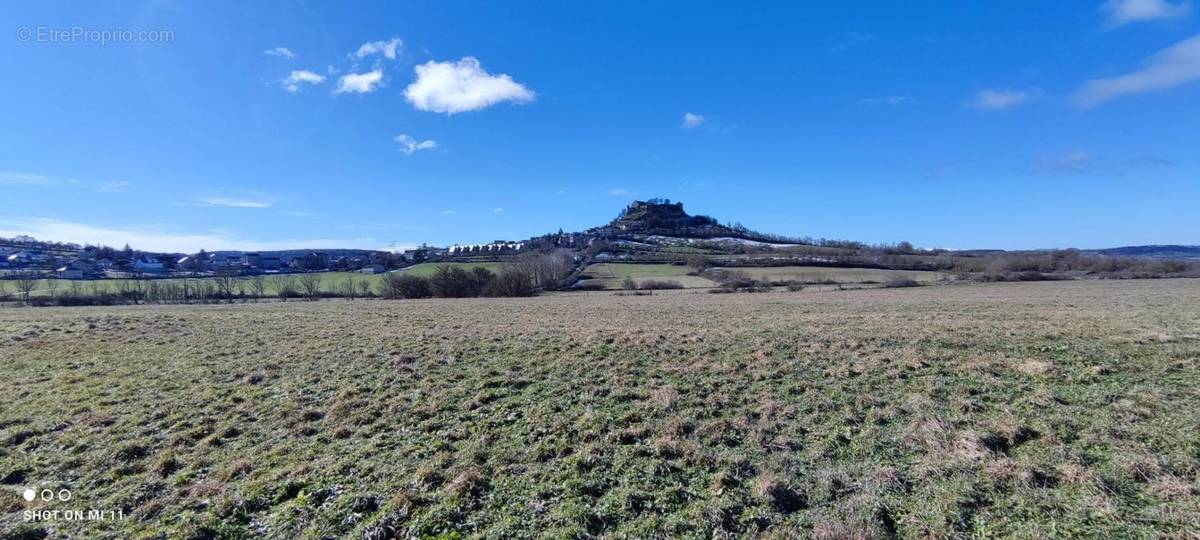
{"x":284,"y":285}
{"x":26,"y":281}
{"x":3,"y":290}
{"x":547,"y":270}
{"x":311,"y":285}
{"x":226,"y":279}
{"x":364,"y":287}
{"x":258,"y":284}
{"x":52,"y":286}
{"x":347,"y":288}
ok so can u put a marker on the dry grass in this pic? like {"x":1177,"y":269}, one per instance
{"x":1027,"y":409}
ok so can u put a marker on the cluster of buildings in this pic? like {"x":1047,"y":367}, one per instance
{"x":496,"y":247}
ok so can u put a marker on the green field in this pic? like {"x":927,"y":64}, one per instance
{"x":612,"y":275}
{"x":426,"y":269}
{"x":1029,"y":410}
{"x":330,"y":281}
{"x":821,"y":274}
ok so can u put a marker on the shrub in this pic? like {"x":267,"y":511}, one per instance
{"x":452,"y":282}
{"x":404,"y":286}
{"x":655,"y":284}
{"x":629,"y":284}
{"x":900,"y":282}
{"x":511,"y":282}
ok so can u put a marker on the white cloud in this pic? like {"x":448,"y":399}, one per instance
{"x":30,"y":179}
{"x":1123,"y":12}
{"x":360,"y":83}
{"x":153,"y":237}
{"x":617,"y":192}
{"x":692,"y":120}
{"x":280,"y":51}
{"x":26,"y":179}
{"x":454,"y":87}
{"x":996,"y":99}
{"x":408,"y":144}
{"x":1176,"y":65}
{"x":386,"y":48}
{"x":293,"y":81}
{"x":227,"y":202}
{"x":497,"y":210}
{"x":112,"y":187}
{"x":448,"y":212}
{"x":887,"y":100}
{"x":1074,"y":161}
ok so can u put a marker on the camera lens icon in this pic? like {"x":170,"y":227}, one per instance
{"x":30,"y":494}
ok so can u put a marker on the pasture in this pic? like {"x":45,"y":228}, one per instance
{"x":826,"y":274}
{"x":1050,"y":409}
{"x":611,"y":275}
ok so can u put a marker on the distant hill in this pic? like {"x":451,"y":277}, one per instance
{"x":1153,"y":252}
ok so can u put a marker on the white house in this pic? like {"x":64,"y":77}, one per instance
{"x":148,"y":265}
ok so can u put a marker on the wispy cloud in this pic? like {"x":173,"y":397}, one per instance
{"x":153,"y":238}
{"x":1076,"y":161}
{"x":297,"y":77}
{"x":887,"y":100}
{"x":1151,"y":161}
{"x":448,"y":212}
{"x":1119,"y":13}
{"x":462,"y":86}
{"x":1176,"y":65}
{"x":497,"y":210}
{"x":227,"y":202}
{"x":409,"y":144}
{"x":360,"y":83}
{"x":26,"y":179}
{"x":993,"y":99}
{"x":618,"y":192}
{"x":386,"y":48}
{"x":113,"y":187}
{"x":692,"y":120}
{"x":30,"y":179}
{"x":283,"y":52}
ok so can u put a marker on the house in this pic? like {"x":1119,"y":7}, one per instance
{"x":78,"y":269}
{"x":251,"y":259}
{"x":372,"y":269}
{"x":226,"y":262}
{"x":269,"y":262}
{"x":104,"y":264}
{"x":19,"y":258}
{"x":148,"y":265}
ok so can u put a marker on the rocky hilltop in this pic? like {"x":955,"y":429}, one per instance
{"x":661,"y":216}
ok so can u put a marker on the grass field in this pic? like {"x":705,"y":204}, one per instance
{"x":1033,"y":410}
{"x":426,"y":269}
{"x":821,"y":274}
{"x":330,"y":281}
{"x":613,"y":274}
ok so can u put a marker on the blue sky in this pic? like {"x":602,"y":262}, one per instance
{"x":260,"y":125}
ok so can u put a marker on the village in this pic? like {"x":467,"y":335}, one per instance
{"x":24,"y":255}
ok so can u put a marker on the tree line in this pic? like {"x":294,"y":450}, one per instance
{"x":526,"y":276}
